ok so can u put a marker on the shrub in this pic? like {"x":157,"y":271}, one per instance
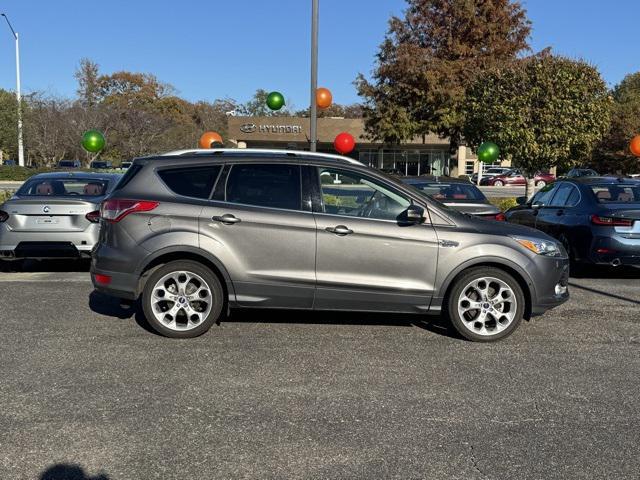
{"x":5,"y":195}
{"x":504,"y":203}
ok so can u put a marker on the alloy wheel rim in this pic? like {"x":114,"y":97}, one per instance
{"x":181,"y":300}
{"x":487,"y":306}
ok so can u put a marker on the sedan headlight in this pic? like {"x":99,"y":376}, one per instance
{"x":548,"y":248}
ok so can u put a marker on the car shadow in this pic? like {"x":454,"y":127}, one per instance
{"x":113,"y":307}
{"x":63,"y":471}
{"x":604,"y":272}
{"x":57,"y":265}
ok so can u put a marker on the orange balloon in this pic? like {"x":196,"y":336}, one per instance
{"x":634,"y":146}
{"x":208,"y":138}
{"x":323,"y":97}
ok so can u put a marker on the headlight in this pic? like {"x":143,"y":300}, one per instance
{"x":547,"y":248}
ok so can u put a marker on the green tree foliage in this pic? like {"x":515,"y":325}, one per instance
{"x":613,"y":153}
{"x":8,"y":124}
{"x":335,"y":110}
{"x":428,"y":60}
{"x":542,"y":111}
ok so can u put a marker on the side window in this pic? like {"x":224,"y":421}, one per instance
{"x":562,"y":195}
{"x":194,"y":182}
{"x":543,"y":197}
{"x":574,"y":197}
{"x":265,"y":185}
{"x":352,"y":195}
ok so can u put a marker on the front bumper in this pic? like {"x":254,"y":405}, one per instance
{"x":550,"y":281}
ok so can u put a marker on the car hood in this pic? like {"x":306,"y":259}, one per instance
{"x":494,"y":227}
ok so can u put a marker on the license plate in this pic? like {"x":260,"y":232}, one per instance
{"x":46,"y":221}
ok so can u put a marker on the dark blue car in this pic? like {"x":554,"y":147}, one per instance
{"x":596,"y":218}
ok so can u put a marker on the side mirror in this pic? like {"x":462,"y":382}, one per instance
{"x":537,"y":205}
{"x":521,"y":200}
{"x":413,"y":214}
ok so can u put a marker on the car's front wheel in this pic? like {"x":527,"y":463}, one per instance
{"x":182,"y":299}
{"x":541,"y":183}
{"x":486,"y":304}
{"x":498,"y":183}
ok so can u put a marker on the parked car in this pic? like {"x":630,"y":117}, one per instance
{"x":196,"y":232}
{"x":515,"y":177}
{"x":54,"y":215}
{"x":69,"y":164}
{"x":581,"y":172}
{"x":125,"y":165}
{"x":597,"y":219}
{"x":9,"y":163}
{"x":490,"y":172}
{"x":100,"y":165}
{"x":457,"y":194}
{"x":634,"y":175}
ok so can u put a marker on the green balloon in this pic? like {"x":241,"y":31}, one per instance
{"x":275,"y":101}
{"x":93,"y":141}
{"x":488,"y":152}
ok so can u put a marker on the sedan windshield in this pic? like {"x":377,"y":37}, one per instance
{"x":450,"y":192}
{"x":617,"y":193}
{"x":86,"y":187}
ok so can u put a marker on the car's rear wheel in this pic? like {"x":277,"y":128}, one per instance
{"x":498,"y":183}
{"x":182,"y":299}
{"x":486,"y":304}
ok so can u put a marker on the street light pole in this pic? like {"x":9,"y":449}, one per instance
{"x":313,"y":113}
{"x":18,"y":94}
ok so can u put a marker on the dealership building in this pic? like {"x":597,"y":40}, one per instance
{"x":422,"y":155}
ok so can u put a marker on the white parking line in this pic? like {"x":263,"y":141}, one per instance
{"x":42,"y":277}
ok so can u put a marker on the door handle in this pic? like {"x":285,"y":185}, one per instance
{"x":226,"y":219}
{"x":340,"y":230}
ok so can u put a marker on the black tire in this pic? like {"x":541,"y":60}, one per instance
{"x":218,"y":299}
{"x":455,"y":292}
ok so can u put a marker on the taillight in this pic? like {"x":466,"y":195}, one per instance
{"x":114,"y":210}
{"x":611,"y":221}
{"x":500,"y":217}
{"x":102,"y":279}
{"x":93,"y":217}
{"x":3,"y":216}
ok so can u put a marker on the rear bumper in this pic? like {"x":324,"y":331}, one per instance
{"x":47,"y":244}
{"x":615,"y":250}
{"x":120,"y":285}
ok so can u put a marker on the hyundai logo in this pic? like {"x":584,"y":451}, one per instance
{"x":46,"y":209}
{"x":248,"y":127}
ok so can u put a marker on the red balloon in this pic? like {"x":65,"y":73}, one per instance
{"x":209,"y":138}
{"x":634,"y":146}
{"x":323,"y":97}
{"x":344,"y":143}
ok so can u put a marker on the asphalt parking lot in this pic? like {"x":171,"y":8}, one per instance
{"x":88,"y":392}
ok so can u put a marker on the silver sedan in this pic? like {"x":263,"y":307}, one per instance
{"x":54,"y":215}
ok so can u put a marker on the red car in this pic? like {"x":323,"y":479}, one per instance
{"x":515,"y":177}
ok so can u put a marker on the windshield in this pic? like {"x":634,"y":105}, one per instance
{"x":62,"y":187}
{"x":617,"y":193}
{"x":450,"y":192}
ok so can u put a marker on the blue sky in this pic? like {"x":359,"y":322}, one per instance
{"x":218,"y":48}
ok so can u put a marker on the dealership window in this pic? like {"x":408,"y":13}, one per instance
{"x":406,"y":161}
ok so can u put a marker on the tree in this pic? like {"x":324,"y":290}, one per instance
{"x":88,"y":86}
{"x":257,"y":106}
{"x":542,"y":111}
{"x":8,"y":124}
{"x":613,"y":153}
{"x":335,"y":110}
{"x":428,"y":60}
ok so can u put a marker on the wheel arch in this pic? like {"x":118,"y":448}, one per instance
{"x":528,"y":289}
{"x":171,"y":254}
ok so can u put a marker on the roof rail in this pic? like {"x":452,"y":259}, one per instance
{"x":249,"y":151}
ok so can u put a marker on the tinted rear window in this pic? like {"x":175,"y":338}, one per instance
{"x":194,"y":182}
{"x":460,"y":192}
{"x":616,"y":193}
{"x":265,"y":185}
{"x":64,"y":187}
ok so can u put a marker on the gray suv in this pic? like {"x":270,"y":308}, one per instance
{"x":194,"y":233}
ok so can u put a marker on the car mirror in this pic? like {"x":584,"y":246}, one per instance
{"x":521,"y":200}
{"x":413,"y":214}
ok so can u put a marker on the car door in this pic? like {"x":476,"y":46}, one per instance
{"x":552,"y":216}
{"x":258,"y":229}
{"x":527,"y":214}
{"x":367,"y":259}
